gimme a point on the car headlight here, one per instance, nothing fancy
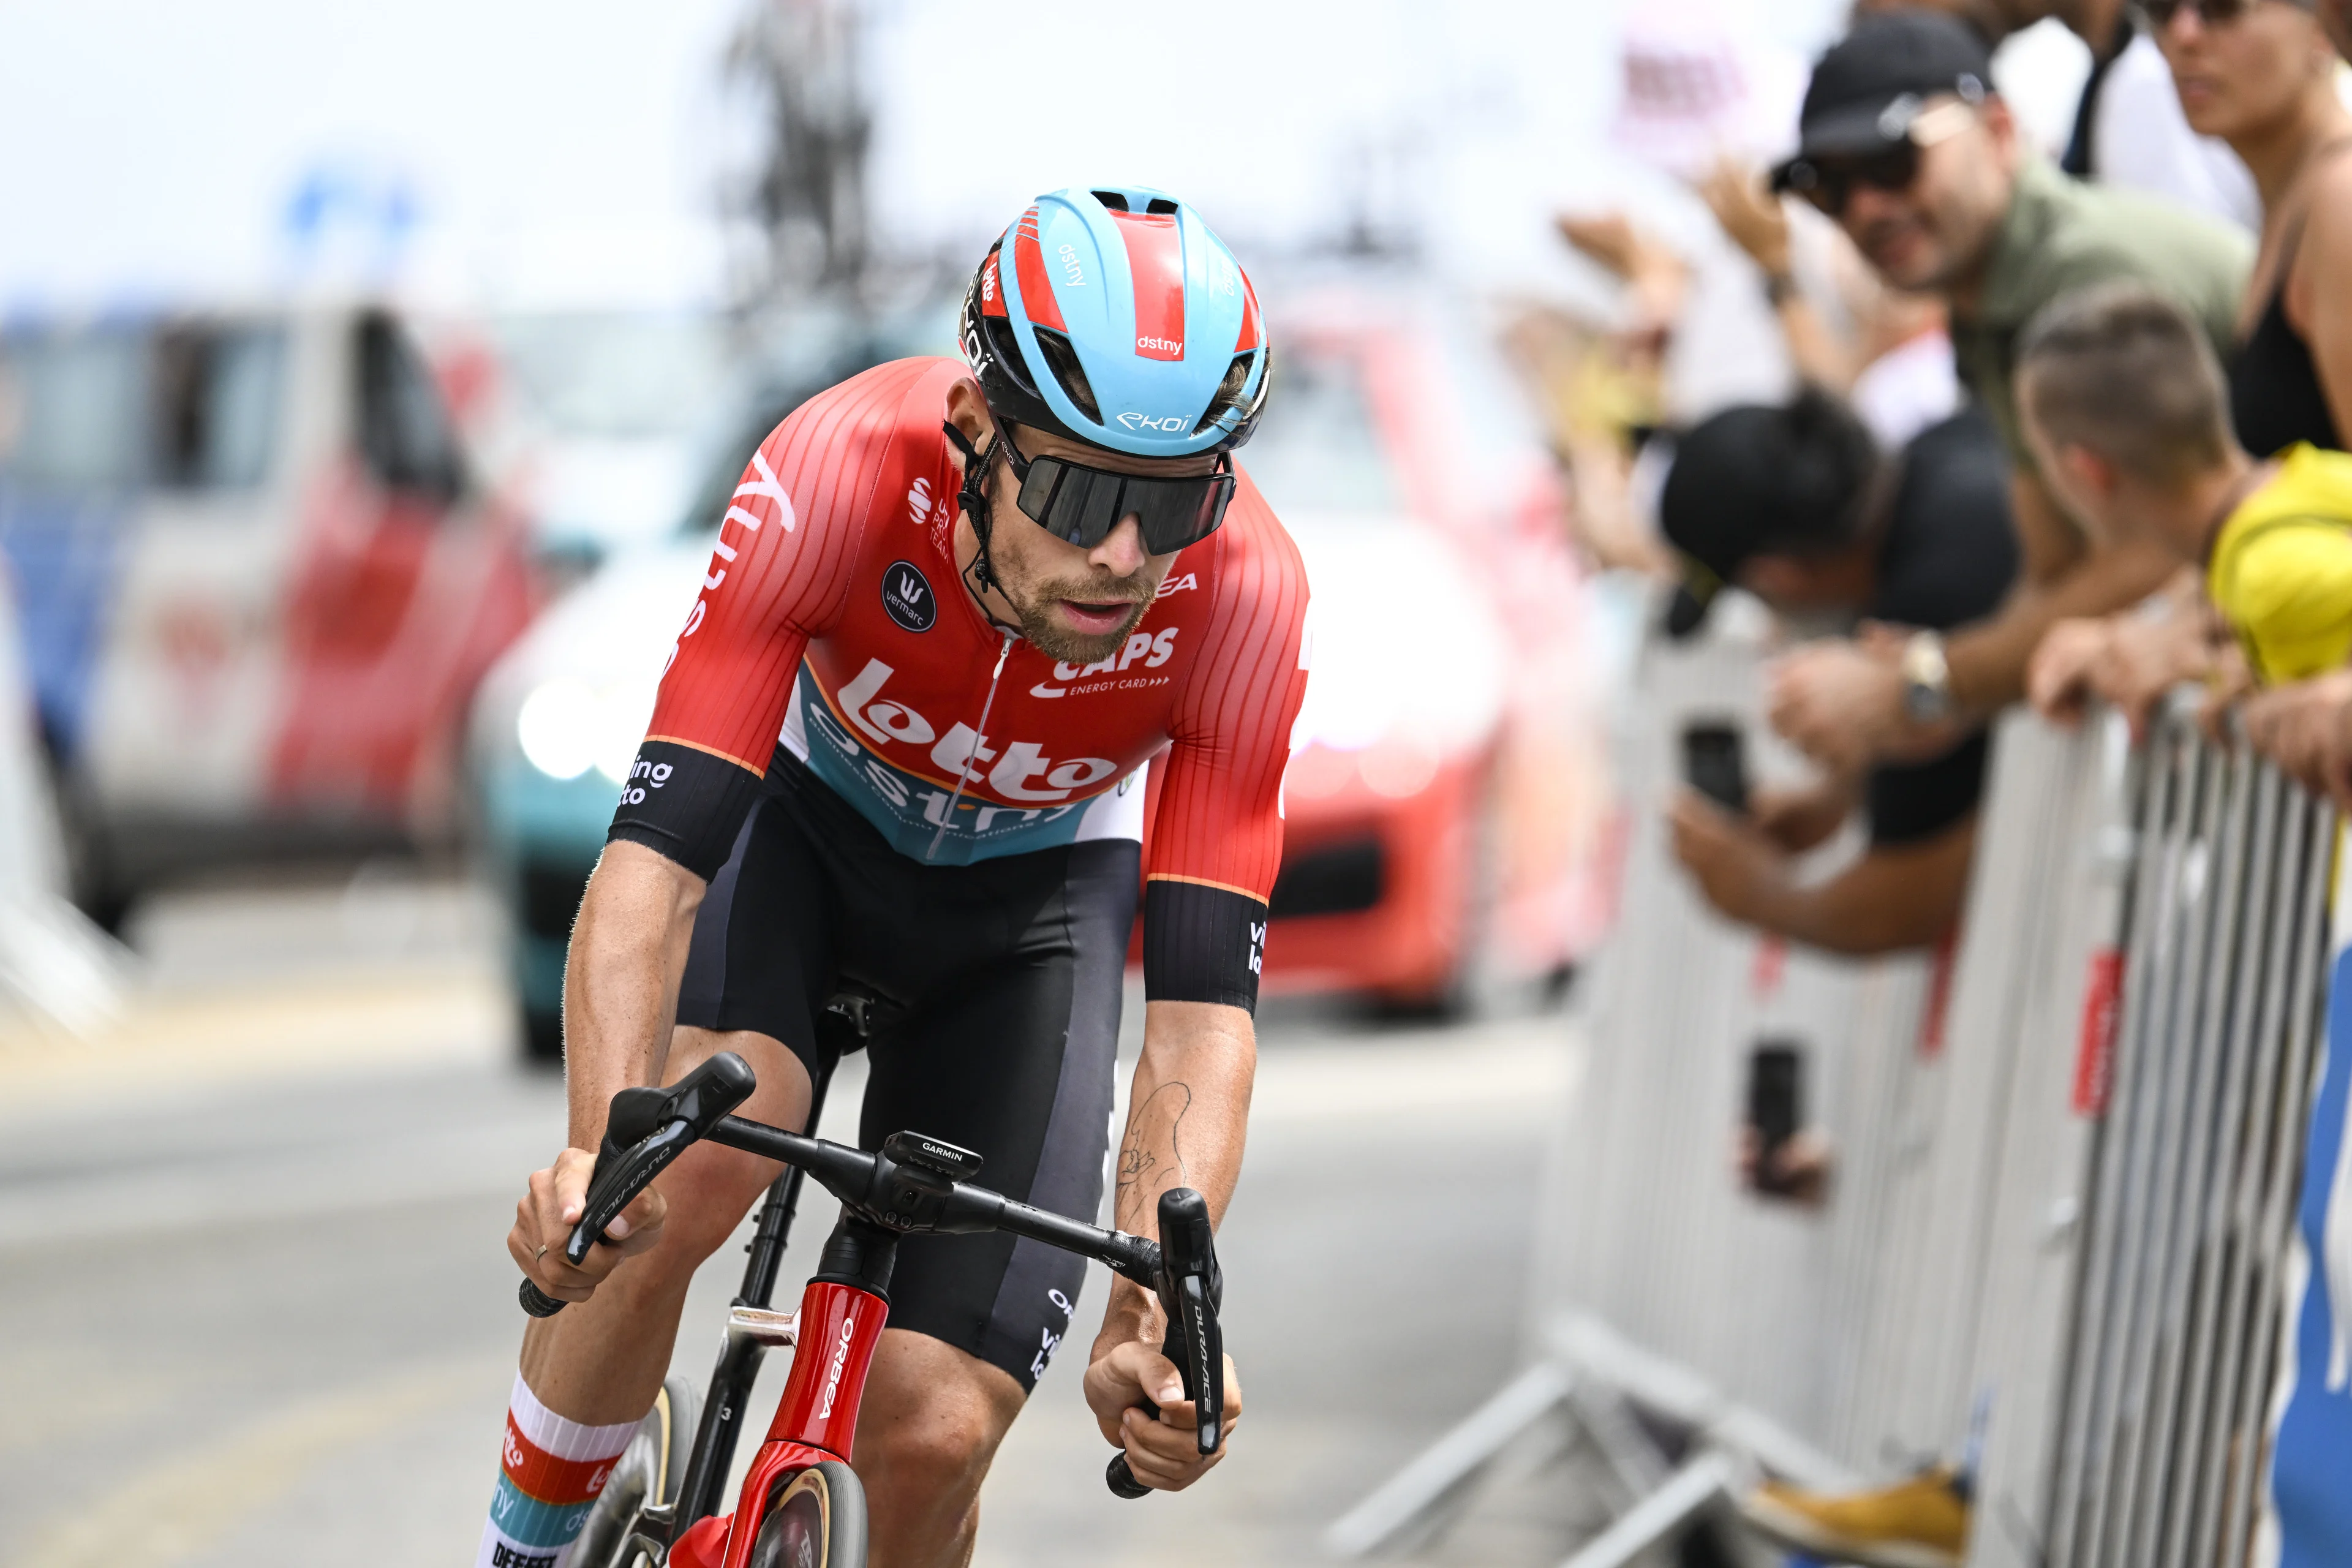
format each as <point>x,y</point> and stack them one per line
<point>565,726</point>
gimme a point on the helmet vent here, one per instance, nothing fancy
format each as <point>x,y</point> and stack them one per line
<point>1159,205</point>
<point>1006,348</point>
<point>1228,395</point>
<point>1115,202</point>
<point>1063,361</point>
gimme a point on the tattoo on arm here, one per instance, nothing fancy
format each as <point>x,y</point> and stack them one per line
<point>1150,1159</point>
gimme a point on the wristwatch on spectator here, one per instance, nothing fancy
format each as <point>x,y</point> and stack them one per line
<point>1927,679</point>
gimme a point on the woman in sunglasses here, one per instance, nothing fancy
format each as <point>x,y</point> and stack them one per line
<point>2261,75</point>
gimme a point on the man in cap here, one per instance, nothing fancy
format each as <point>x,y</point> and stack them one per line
<point>1905,144</point>
<point>1798,506</point>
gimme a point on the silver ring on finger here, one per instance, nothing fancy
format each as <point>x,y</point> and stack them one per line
<point>541,1253</point>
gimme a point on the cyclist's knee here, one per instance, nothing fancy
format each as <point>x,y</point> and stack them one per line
<point>932,1419</point>
<point>940,1454</point>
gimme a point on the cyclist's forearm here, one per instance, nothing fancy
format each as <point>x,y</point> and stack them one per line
<point>620,980</point>
<point>1186,1120</point>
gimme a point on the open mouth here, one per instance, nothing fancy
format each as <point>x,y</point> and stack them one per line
<point>1098,617</point>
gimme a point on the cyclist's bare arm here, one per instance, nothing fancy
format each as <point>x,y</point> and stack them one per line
<point>1187,1119</point>
<point>619,998</point>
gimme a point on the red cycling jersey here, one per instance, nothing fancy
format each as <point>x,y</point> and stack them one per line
<point>832,621</point>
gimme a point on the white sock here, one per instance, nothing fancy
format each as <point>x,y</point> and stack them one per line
<point>549,1474</point>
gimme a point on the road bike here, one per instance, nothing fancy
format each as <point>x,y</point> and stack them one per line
<point>800,1505</point>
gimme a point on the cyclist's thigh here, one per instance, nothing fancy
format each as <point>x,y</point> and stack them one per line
<point>761,955</point>
<point>710,1187</point>
<point>1011,1055</point>
<point>756,969</point>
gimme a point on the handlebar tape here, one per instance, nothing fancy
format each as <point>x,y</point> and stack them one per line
<point>538,1303</point>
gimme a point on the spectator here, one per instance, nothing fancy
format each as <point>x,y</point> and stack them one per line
<point>1796,505</point>
<point>2129,130</point>
<point>1899,373</point>
<point>2128,409</point>
<point>2261,75</point>
<point>1903,144</point>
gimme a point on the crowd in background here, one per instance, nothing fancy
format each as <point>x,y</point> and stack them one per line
<point>2063,425</point>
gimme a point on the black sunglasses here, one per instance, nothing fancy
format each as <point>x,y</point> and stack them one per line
<point>1082,505</point>
<point>2213,13</point>
<point>1829,182</point>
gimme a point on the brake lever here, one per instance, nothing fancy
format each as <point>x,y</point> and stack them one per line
<point>645,1130</point>
<point>1191,1289</point>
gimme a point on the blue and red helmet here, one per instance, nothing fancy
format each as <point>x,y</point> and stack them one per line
<point>1114,317</point>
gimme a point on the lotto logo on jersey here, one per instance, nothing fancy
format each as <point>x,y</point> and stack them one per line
<point>1021,769</point>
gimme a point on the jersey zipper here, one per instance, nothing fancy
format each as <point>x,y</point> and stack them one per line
<point>979,739</point>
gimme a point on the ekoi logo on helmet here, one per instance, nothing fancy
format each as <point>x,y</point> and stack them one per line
<point>1173,422</point>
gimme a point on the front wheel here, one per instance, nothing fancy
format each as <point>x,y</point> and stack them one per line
<point>818,1520</point>
<point>647,1475</point>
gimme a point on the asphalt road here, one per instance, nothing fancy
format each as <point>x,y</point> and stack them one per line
<point>258,1309</point>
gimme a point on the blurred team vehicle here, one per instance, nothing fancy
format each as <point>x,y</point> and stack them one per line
<point>1445,793</point>
<point>593,421</point>
<point>1446,799</point>
<point>258,584</point>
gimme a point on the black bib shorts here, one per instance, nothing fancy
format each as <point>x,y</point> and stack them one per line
<point>995,1027</point>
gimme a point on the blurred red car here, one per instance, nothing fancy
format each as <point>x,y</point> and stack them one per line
<point>1446,790</point>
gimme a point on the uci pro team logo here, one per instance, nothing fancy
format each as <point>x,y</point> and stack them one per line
<point>907,595</point>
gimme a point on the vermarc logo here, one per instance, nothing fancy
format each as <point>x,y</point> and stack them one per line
<point>906,597</point>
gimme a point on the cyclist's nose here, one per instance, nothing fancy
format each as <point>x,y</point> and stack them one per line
<point>1121,551</point>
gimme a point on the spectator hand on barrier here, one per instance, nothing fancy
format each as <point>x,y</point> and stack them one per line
<point>2129,660</point>
<point>2305,728</point>
<point>1841,703</point>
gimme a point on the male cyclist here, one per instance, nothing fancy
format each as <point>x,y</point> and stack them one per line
<point>952,613</point>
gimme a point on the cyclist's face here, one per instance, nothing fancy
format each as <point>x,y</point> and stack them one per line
<point>1076,604</point>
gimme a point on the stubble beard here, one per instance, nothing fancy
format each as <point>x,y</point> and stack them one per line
<point>1032,600</point>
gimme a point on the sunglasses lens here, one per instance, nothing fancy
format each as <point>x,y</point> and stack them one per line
<point>1174,513</point>
<point>1893,169</point>
<point>1081,506</point>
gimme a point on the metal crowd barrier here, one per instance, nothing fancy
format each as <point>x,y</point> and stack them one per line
<point>2066,1154</point>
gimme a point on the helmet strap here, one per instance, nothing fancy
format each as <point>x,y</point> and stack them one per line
<point>973,497</point>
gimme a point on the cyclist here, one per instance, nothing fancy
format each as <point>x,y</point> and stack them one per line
<point>900,749</point>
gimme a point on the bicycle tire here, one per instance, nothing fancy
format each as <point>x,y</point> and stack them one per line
<point>649,1472</point>
<point>818,1520</point>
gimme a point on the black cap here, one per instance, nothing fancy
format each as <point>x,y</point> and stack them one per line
<point>1782,478</point>
<point>1874,82</point>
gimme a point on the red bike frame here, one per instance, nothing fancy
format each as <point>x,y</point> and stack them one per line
<point>840,1326</point>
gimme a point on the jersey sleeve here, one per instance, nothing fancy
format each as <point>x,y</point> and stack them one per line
<point>778,574</point>
<point>2285,586</point>
<point>1216,835</point>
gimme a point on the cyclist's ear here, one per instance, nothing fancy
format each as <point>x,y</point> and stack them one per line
<point>969,414</point>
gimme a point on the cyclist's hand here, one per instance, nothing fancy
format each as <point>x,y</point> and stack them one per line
<point>544,1219</point>
<point>1165,1453</point>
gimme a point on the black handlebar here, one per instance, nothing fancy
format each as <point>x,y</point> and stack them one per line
<point>1191,1289</point>
<point>910,1186</point>
<point>916,1185</point>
